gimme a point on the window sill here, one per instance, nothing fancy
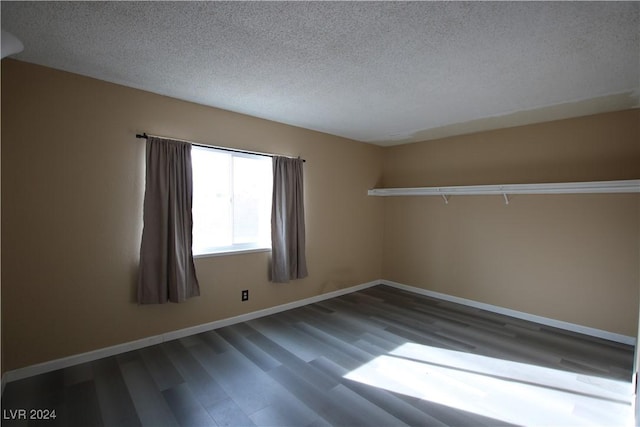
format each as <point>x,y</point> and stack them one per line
<point>226,252</point>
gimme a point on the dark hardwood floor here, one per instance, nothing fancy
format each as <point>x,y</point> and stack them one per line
<point>378,357</point>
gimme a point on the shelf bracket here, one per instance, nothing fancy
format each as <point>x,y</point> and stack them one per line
<point>506,198</point>
<point>446,199</point>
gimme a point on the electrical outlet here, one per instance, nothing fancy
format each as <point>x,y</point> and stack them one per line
<point>245,295</point>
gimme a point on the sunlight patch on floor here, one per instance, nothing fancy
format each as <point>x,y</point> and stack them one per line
<point>513,392</point>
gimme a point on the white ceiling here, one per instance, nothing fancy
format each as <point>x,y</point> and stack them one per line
<point>380,72</point>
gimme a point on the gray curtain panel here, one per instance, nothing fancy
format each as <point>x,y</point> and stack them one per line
<point>167,272</point>
<point>288,259</point>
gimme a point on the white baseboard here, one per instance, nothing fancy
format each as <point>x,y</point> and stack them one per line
<point>599,333</point>
<point>65,362</point>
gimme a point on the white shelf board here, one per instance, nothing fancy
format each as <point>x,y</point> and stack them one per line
<point>626,186</point>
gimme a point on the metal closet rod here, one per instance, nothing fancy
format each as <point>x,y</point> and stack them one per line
<point>144,135</point>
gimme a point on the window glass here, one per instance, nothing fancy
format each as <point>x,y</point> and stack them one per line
<point>231,201</point>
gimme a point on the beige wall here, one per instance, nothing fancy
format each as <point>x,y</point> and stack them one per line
<point>72,189</point>
<point>567,257</point>
<point>591,148</point>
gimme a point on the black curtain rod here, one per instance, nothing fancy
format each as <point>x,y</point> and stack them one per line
<point>233,150</point>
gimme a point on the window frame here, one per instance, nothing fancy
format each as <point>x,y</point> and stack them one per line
<point>239,248</point>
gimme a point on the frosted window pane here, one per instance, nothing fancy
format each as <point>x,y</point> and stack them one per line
<point>231,201</point>
<point>251,199</point>
<point>211,199</point>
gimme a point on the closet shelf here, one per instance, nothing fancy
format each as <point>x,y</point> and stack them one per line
<point>626,186</point>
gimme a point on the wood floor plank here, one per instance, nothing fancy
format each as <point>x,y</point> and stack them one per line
<point>244,382</point>
<point>332,324</point>
<point>78,374</point>
<point>322,402</point>
<point>284,412</point>
<point>116,406</point>
<point>261,359</point>
<point>364,411</point>
<point>260,397</point>
<point>162,371</point>
<point>227,413</point>
<point>385,400</point>
<point>206,389</point>
<point>449,417</point>
<point>213,340</point>
<point>83,405</point>
<point>151,407</point>
<point>303,346</point>
<point>186,408</point>
<point>293,363</point>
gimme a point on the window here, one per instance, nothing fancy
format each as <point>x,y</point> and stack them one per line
<point>231,201</point>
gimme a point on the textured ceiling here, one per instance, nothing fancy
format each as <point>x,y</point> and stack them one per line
<point>381,72</point>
